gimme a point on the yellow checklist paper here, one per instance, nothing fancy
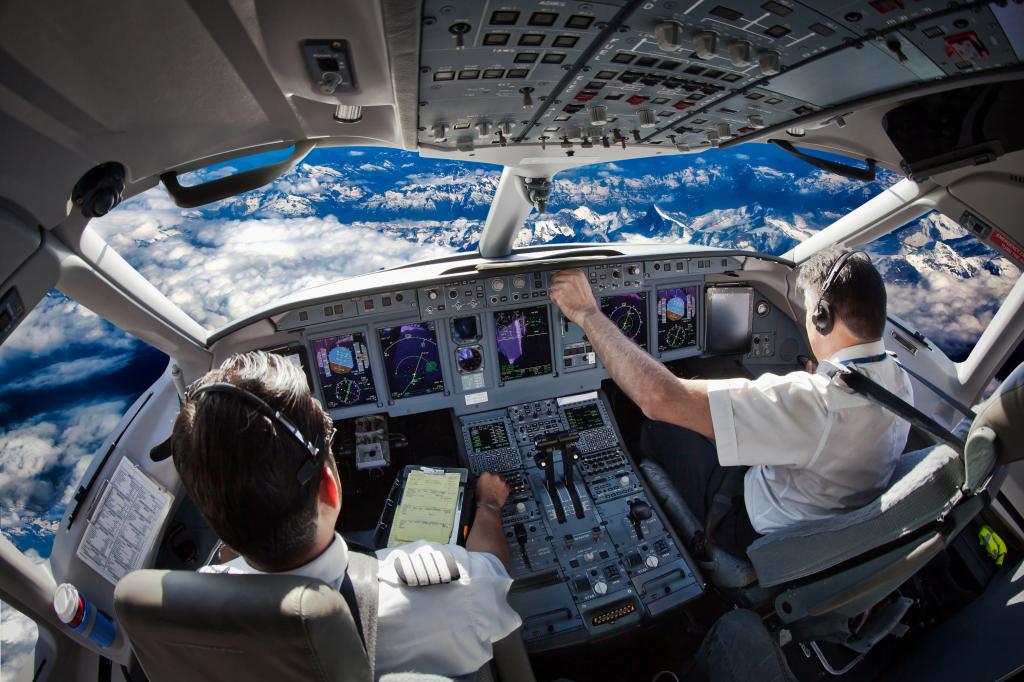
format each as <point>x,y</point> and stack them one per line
<point>427,510</point>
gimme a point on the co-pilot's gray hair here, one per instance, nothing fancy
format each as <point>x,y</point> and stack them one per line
<point>239,470</point>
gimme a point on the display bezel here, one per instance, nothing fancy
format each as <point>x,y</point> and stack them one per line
<point>688,351</point>
<point>502,379</point>
<point>713,291</point>
<point>645,296</point>
<point>696,317</point>
<point>371,360</point>
<point>433,390</point>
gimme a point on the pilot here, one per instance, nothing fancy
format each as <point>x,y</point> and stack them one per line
<point>754,456</point>
<point>240,469</point>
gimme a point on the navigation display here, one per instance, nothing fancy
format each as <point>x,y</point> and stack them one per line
<point>489,436</point>
<point>524,342</point>
<point>411,359</point>
<point>629,313</point>
<point>677,318</point>
<point>729,314</point>
<point>584,418</point>
<point>343,367</point>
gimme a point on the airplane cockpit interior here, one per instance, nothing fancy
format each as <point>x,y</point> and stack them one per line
<point>463,364</point>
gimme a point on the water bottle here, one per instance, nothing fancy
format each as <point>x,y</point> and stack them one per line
<point>82,616</point>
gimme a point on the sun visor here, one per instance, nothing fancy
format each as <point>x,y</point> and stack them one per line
<point>954,129</point>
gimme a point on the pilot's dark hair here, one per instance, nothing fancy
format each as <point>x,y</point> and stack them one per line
<point>856,296</point>
<point>240,468</point>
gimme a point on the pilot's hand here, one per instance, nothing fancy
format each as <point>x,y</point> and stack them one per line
<point>810,365</point>
<point>491,488</point>
<point>571,292</point>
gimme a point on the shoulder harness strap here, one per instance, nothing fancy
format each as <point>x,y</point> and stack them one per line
<point>360,590</point>
<point>426,567</point>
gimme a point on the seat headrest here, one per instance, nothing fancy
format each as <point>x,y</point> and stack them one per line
<point>1003,412</point>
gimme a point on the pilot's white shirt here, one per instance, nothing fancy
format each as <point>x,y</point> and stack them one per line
<point>440,629</point>
<point>814,449</point>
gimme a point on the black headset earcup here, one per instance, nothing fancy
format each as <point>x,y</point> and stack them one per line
<point>822,317</point>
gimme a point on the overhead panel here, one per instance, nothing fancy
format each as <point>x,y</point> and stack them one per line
<point>685,74</point>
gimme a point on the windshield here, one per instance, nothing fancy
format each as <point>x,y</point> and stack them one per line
<point>344,212</point>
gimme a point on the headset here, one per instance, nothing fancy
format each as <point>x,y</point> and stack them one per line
<point>312,464</point>
<point>822,316</point>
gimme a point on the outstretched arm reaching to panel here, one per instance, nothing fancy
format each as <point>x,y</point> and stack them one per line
<point>660,394</point>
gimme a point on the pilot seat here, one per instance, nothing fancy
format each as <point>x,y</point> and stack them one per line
<point>818,575</point>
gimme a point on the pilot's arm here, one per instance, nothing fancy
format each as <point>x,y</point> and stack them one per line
<point>660,394</point>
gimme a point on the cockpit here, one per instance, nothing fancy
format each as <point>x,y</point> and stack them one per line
<point>462,363</point>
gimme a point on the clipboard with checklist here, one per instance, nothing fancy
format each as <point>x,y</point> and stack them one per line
<point>428,506</point>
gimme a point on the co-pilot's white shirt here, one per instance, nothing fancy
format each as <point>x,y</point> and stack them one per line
<point>441,629</point>
<point>814,449</point>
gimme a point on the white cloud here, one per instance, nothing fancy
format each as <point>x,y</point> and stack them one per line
<point>18,635</point>
<point>63,373</point>
<point>42,459</point>
<point>355,152</point>
<point>220,270</point>
<point>58,322</point>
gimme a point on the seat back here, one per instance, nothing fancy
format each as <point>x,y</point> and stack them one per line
<point>925,488</point>
<point>217,627</point>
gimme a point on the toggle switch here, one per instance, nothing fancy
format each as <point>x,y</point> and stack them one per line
<point>739,53</point>
<point>705,44</point>
<point>669,35</point>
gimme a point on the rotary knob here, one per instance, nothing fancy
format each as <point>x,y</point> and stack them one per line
<point>432,294</point>
<point>600,587</point>
<point>646,118</point>
<point>483,128</point>
<point>624,482</point>
<point>518,282</point>
<point>589,556</point>
<point>756,121</point>
<point>520,508</point>
<point>497,284</point>
<point>439,132</point>
<point>598,115</point>
<point>651,561</point>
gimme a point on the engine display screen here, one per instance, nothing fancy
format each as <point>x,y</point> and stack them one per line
<point>629,313</point>
<point>489,436</point>
<point>523,338</point>
<point>729,315</point>
<point>343,367</point>
<point>677,318</point>
<point>584,418</point>
<point>411,359</point>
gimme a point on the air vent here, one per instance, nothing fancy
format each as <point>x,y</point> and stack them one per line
<point>1019,179</point>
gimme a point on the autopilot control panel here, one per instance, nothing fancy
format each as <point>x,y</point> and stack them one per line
<point>590,552</point>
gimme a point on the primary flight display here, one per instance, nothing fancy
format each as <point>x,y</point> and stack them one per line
<point>343,366</point>
<point>677,318</point>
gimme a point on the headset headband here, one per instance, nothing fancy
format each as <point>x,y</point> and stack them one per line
<point>835,270</point>
<point>308,468</point>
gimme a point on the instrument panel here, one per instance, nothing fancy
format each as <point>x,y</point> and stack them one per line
<point>477,344</point>
<point>590,554</point>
